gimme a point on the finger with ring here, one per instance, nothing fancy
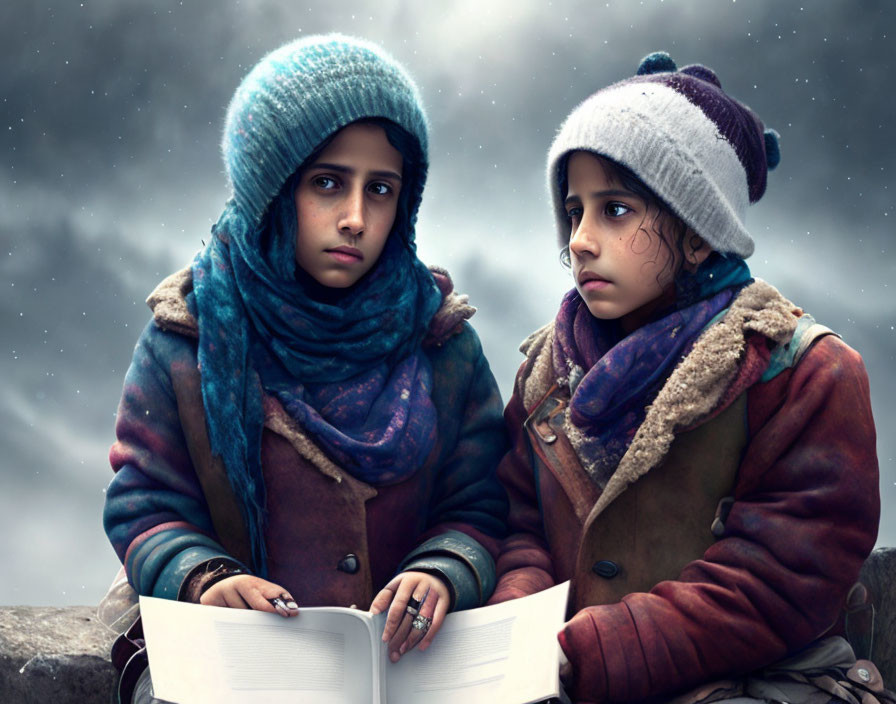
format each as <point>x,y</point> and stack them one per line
<point>421,623</point>
<point>413,607</point>
<point>426,624</point>
<point>403,627</point>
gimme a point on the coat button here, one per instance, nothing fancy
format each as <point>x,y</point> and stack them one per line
<point>349,564</point>
<point>605,569</point>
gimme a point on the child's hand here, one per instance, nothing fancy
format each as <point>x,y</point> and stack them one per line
<point>244,591</point>
<point>400,631</point>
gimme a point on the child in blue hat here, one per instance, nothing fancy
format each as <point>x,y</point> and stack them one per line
<point>308,418</point>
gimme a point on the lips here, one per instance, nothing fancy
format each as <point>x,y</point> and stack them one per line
<point>346,254</point>
<point>589,276</point>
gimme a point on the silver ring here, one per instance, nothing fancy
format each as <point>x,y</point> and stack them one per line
<point>421,623</point>
<point>411,610</point>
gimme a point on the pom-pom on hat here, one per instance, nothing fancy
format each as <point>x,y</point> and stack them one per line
<point>300,94</point>
<point>705,154</point>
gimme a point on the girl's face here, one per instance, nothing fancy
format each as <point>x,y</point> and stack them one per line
<point>619,267</point>
<point>345,204</point>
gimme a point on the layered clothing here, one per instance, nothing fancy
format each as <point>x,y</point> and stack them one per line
<point>728,532</point>
<point>346,364</point>
<point>330,533</point>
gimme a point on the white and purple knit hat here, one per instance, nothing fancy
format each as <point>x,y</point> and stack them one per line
<point>705,154</point>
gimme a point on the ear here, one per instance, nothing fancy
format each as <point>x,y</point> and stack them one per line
<point>696,250</point>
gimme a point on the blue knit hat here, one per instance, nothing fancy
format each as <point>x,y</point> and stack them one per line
<point>705,154</point>
<point>300,94</point>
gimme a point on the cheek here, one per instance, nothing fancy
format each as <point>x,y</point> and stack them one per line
<point>641,243</point>
<point>309,218</point>
<point>658,264</point>
<point>381,223</point>
<point>657,272</point>
<point>387,215</point>
<point>670,263</point>
<point>306,211</point>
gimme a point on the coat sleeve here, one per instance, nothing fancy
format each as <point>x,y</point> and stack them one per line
<point>805,517</point>
<point>155,513</point>
<point>524,565</point>
<point>467,513</point>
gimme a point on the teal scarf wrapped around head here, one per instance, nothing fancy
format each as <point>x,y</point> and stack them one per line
<point>257,324</point>
<point>345,364</point>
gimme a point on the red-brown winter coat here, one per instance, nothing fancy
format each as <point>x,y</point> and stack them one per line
<point>673,587</point>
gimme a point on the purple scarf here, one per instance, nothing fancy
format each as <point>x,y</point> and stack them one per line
<point>379,425</point>
<point>613,378</point>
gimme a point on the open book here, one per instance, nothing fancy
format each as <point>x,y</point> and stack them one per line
<point>504,653</point>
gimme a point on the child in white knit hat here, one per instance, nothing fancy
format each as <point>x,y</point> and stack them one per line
<point>690,448</point>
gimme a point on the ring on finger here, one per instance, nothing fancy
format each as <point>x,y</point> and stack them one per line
<point>421,623</point>
<point>414,602</point>
<point>413,607</point>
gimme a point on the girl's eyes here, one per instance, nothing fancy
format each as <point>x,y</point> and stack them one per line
<point>574,213</point>
<point>616,210</point>
<point>380,189</point>
<point>613,209</point>
<point>328,183</point>
<point>325,183</point>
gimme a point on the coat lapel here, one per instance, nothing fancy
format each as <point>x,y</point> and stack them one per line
<point>170,312</point>
<point>696,387</point>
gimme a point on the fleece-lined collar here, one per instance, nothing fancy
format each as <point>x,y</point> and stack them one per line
<point>693,391</point>
<point>170,312</point>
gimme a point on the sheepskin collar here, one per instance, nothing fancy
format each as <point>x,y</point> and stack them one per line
<point>169,304</point>
<point>694,391</point>
<point>171,313</point>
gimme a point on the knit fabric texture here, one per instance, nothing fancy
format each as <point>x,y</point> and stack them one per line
<point>346,364</point>
<point>705,154</point>
<point>300,94</point>
<point>613,378</point>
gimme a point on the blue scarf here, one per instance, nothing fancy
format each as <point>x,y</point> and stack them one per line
<point>613,378</point>
<point>346,365</point>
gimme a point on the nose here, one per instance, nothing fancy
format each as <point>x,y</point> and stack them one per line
<point>583,241</point>
<point>351,217</point>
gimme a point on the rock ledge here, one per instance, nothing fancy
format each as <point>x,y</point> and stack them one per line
<point>58,655</point>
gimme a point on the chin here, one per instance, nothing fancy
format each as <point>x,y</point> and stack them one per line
<point>604,315</point>
<point>609,312</point>
<point>602,310</point>
<point>336,279</point>
<point>338,284</point>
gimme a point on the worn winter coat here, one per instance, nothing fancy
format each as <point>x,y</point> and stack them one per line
<point>331,539</point>
<point>733,527</point>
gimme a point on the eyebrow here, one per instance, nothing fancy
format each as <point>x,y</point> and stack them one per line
<point>600,194</point>
<point>339,168</point>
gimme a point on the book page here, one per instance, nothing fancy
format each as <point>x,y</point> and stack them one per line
<point>200,654</point>
<point>505,653</point>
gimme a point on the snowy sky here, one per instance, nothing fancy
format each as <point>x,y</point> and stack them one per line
<point>110,175</point>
